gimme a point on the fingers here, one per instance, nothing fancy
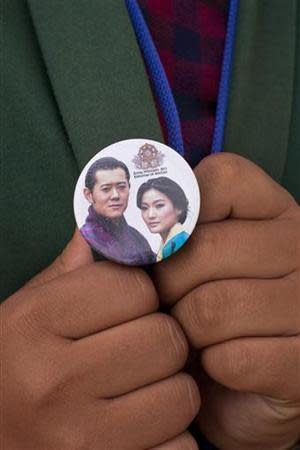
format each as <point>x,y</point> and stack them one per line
<point>157,412</point>
<point>132,355</point>
<point>76,254</point>
<point>231,249</point>
<point>226,309</point>
<point>237,420</point>
<point>91,299</point>
<point>257,365</point>
<point>184,441</point>
<point>232,186</point>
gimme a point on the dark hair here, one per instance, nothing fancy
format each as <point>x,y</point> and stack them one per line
<point>171,189</point>
<point>106,163</point>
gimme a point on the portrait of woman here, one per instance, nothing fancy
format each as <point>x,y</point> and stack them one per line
<point>164,209</point>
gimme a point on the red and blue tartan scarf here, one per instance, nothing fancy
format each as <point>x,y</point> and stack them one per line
<point>189,36</point>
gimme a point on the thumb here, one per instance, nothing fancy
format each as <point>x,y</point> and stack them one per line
<point>76,254</point>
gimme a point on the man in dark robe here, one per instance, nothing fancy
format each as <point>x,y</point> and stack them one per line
<point>107,190</point>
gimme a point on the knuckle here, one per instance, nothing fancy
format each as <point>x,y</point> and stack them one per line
<point>32,366</point>
<point>191,445</point>
<point>230,362</point>
<point>183,442</point>
<point>96,271</point>
<point>47,384</point>
<point>79,433</point>
<point>200,313</point>
<point>187,313</point>
<point>188,443</point>
<point>34,380</point>
<point>238,360</point>
<point>64,437</point>
<point>292,210</point>
<point>208,300</point>
<point>297,243</point>
<point>207,243</point>
<point>297,361</point>
<point>187,393</point>
<point>146,290</point>
<point>292,228</point>
<point>172,337</point>
<point>26,319</point>
<point>60,265</point>
<point>131,282</point>
<point>294,280</point>
<point>297,289</point>
<point>222,166</point>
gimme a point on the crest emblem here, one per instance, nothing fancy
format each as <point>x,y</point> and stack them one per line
<point>148,157</point>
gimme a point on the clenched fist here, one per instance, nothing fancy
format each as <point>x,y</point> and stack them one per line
<point>235,288</point>
<point>89,364</point>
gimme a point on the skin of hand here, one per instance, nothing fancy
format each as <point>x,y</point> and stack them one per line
<point>235,290</point>
<point>88,363</point>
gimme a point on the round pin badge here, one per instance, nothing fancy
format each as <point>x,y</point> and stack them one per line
<point>136,202</point>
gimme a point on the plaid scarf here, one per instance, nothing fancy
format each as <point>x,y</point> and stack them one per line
<point>189,36</point>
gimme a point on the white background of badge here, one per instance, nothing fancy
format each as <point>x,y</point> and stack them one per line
<point>178,170</point>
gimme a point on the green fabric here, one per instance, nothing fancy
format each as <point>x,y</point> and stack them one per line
<point>36,160</point>
<point>260,105</point>
<point>71,84</point>
<point>73,81</point>
<point>291,176</point>
<point>96,72</point>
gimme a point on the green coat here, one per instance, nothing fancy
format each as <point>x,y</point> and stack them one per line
<point>73,81</point>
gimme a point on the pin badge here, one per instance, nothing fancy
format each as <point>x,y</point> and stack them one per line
<point>136,202</point>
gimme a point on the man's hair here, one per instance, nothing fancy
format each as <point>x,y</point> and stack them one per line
<point>171,189</point>
<point>107,163</point>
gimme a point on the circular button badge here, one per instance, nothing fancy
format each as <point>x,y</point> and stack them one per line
<point>136,202</point>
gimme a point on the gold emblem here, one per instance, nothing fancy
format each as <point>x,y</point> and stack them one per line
<point>148,157</point>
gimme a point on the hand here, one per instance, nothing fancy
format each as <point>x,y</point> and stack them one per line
<point>236,286</point>
<point>88,364</point>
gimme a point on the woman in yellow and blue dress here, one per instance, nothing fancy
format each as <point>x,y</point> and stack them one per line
<point>164,208</point>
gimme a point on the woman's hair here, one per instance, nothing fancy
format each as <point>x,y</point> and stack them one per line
<point>171,189</point>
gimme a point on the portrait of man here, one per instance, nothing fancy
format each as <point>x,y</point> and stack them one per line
<point>107,189</point>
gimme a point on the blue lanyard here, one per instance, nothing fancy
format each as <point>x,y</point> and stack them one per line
<point>161,85</point>
<point>223,94</point>
<point>159,80</point>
